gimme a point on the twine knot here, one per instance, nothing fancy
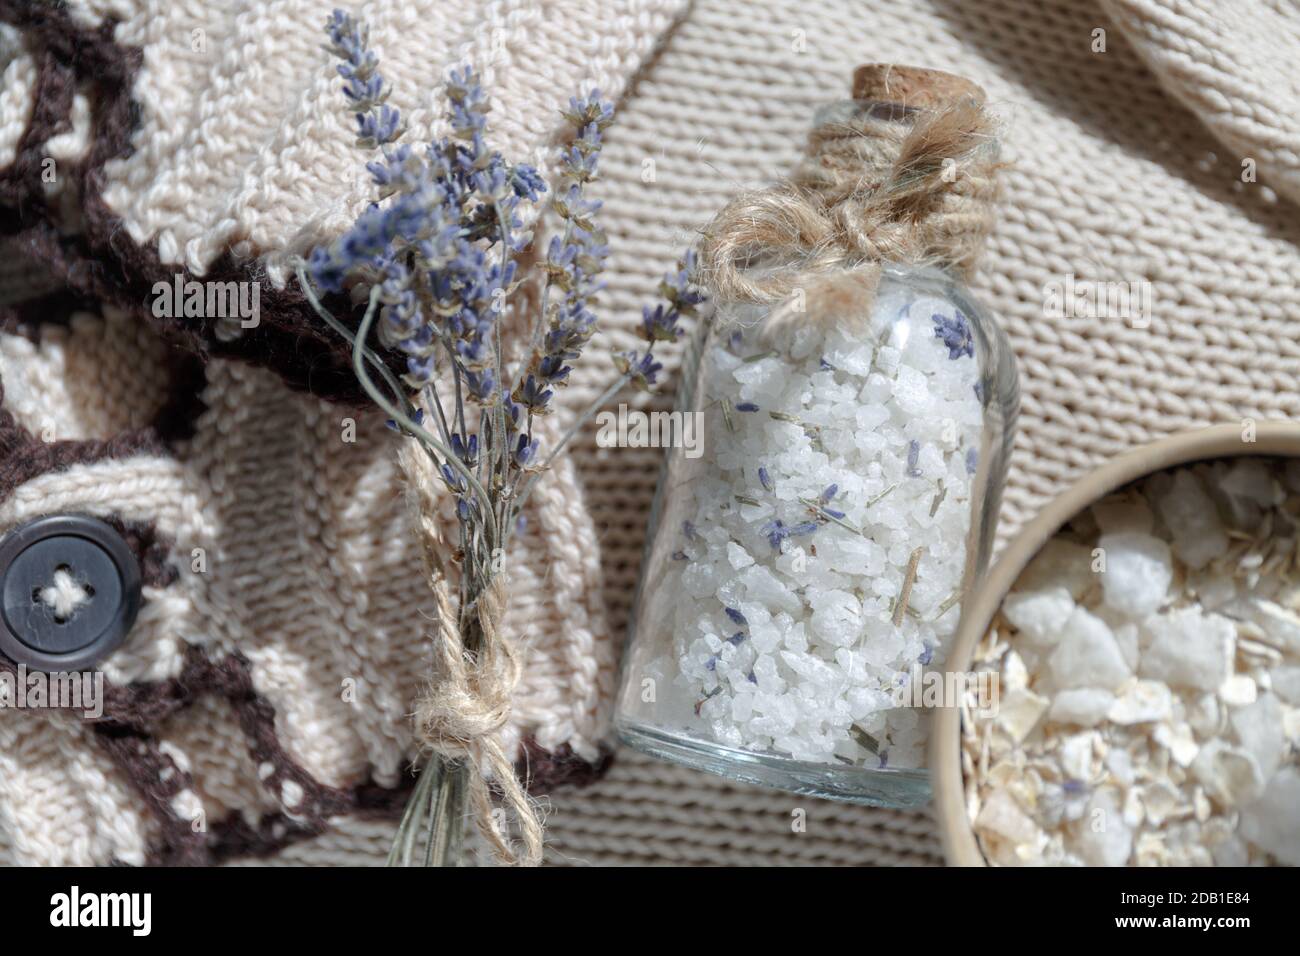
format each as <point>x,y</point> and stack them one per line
<point>906,173</point>
<point>469,694</point>
<point>468,698</point>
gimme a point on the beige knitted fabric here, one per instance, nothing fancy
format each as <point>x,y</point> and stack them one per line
<point>1115,179</point>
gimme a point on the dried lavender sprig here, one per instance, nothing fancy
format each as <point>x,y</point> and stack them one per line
<point>662,324</point>
<point>377,123</point>
<point>573,264</point>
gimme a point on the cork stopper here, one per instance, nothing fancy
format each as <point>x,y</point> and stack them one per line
<point>912,87</point>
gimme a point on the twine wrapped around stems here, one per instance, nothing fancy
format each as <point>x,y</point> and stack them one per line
<point>908,175</point>
<point>468,699</point>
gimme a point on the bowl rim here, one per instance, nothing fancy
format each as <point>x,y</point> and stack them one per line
<point>1277,439</point>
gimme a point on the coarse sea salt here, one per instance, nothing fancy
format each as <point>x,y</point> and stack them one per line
<point>1158,640</point>
<point>820,546</point>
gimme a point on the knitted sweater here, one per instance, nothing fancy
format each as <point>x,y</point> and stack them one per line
<point>225,157</point>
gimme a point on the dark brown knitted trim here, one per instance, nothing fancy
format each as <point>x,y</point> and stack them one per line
<point>51,115</point>
<point>549,770</point>
<point>28,317</point>
<point>127,729</point>
<point>23,456</point>
<point>157,780</point>
<point>105,262</point>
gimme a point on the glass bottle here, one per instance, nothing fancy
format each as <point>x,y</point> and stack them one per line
<point>807,561</point>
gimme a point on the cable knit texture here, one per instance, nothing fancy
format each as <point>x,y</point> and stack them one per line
<point>1126,167</point>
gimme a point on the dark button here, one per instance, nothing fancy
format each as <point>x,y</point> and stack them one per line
<point>71,591</point>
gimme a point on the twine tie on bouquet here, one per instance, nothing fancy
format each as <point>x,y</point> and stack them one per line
<point>467,702</point>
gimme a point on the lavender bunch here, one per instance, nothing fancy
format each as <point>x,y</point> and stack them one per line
<point>436,251</point>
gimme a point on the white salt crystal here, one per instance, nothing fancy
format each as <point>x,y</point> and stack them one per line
<point>1001,815</point>
<point>912,392</point>
<point>1179,741</point>
<point>1249,480</point>
<point>1229,774</point>
<point>1203,714</point>
<point>1101,838</point>
<point>1270,821</point>
<point>1258,727</point>
<point>837,616</point>
<point>1281,625</point>
<point>1015,676</point>
<point>1126,636</point>
<point>888,359</point>
<point>1060,563</point>
<point>765,637</point>
<point>1019,712</point>
<point>1076,754</point>
<point>1238,690</point>
<point>870,417</point>
<point>1084,706</point>
<point>1188,648</point>
<point>1193,520</point>
<point>1120,513</point>
<point>1286,682</point>
<point>1230,852</point>
<point>1120,764</point>
<point>738,556</point>
<point>700,578</point>
<point>1087,655</point>
<point>1141,702</point>
<point>854,359</point>
<point>1138,571</point>
<point>1039,615</point>
<point>764,587</point>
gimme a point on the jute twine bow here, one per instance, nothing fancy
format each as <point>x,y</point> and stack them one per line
<point>908,176</point>
<point>468,699</point>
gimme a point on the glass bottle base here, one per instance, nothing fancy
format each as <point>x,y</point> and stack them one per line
<point>898,789</point>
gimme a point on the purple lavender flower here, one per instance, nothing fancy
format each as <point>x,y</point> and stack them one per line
<point>764,478</point>
<point>417,417</point>
<point>955,332</point>
<point>736,616</point>
<point>972,460</point>
<point>736,639</point>
<point>664,324</point>
<point>641,370</point>
<point>913,457</point>
<point>465,503</point>
<point>363,85</point>
<point>775,532</point>
<point>525,451</point>
<point>573,263</point>
<point>746,407</point>
<point>466,451</point>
